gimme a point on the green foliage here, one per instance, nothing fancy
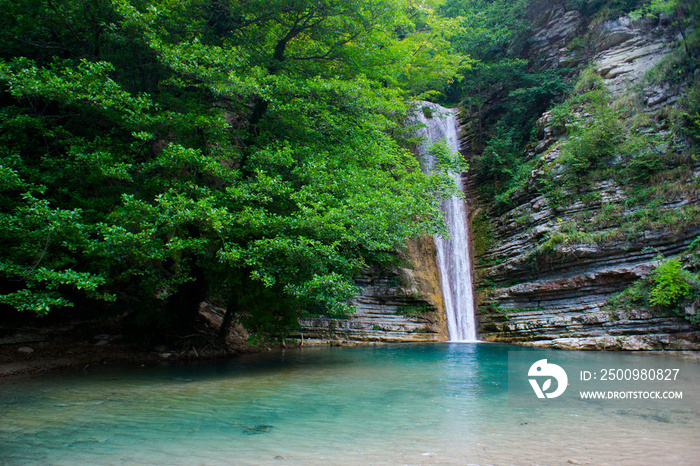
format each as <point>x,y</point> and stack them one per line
<point>667,290</point>
<point>577,43</point>
<point>447,161</point>
<point>155,153</point>
<point>502,93</point>
<point>654,8</point>
<point>505,94</point>
<point>601,10</point>
<point>637,294</point>
<point>594,139</point>
<point>671,284</point>
<point>482,232</point>
<point>434,64</point>
<point>691,113</point>
<point>417,309</point>
<point>650,160</point>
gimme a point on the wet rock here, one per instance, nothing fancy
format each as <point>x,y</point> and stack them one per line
<point>102,343</point>
<point>25,349</point>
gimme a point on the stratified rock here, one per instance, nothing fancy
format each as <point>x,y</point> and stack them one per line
<point>386,307</point>
<point>609,34</point>
<point>671,342</point>
<point>378,317</point>
<point>626,49</point>
<point>553,28</point>
<point>553,293</point>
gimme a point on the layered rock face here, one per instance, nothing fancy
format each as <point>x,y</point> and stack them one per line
<point>401,305</point>
<point>622,49</point>
<point>550,294</point>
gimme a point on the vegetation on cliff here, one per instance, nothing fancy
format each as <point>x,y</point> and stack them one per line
<point>670,289</point>
<point>607,175</point>
<point>510,87</point>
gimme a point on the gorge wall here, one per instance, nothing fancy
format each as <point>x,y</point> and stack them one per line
<point>399,305</point>
<point>546,269</point>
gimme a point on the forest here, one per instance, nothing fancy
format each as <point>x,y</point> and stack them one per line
<point>255,154</point>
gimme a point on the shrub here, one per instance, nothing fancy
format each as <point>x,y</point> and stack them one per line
<point>672,284</point>
<point>414,309</point>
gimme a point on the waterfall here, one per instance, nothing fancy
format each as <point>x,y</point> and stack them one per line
<point>453,254</point>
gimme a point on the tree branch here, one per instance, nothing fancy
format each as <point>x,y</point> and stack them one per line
<point>69,27</point>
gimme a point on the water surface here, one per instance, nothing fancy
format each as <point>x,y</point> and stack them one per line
<point>399,404</point>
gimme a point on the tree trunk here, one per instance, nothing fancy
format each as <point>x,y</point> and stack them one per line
<point>226,324</point>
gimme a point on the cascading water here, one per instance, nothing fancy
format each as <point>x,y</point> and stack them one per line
<point>453,255</point>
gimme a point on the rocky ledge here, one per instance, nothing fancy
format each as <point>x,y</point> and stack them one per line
<point>398,305</point>
<point>386,312</point>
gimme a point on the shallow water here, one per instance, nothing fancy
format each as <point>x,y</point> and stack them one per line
<point>400,404</point>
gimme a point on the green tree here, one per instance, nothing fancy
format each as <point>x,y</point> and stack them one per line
<point>156,153</point>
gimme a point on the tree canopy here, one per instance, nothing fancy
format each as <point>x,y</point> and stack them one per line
<point>156,153</point>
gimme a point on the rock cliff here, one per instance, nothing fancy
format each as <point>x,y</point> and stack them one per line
<point>543,282</point>
<point>400,305</point>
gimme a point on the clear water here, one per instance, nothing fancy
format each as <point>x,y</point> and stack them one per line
<point>453,253</point>
<point>440,403</point>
